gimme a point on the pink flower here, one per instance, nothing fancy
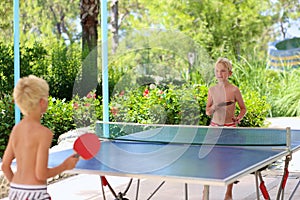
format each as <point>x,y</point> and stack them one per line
<point>91,95</point>
<point>75,105</point>
<point>146,92</point>
<point>87,104</point>
<point>114,111</point>
<point>122,93</point>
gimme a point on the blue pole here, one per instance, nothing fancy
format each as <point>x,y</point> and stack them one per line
<point>104,67</point>
<point>16,54</point>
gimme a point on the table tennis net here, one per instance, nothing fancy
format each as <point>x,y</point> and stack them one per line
<point>195,135</point>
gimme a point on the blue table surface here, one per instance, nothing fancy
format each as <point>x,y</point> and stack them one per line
<point>207,164</point>
<point>176,161</point>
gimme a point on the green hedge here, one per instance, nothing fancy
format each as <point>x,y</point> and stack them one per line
<point>178,105</point>
<point>7,118</point>
<point>170,105</point>
<point>58,65</point>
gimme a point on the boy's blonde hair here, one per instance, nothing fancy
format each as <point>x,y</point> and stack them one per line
<point>225,62</point>
<point>29,91</point>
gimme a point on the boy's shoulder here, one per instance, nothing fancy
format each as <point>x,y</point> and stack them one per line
<point>212,87</point>
<point>44,129</point>
<point>216,88</point>
<point>34,127</point>
<point>234,87</point>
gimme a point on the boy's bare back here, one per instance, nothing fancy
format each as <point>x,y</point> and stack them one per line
<point>30,141</point>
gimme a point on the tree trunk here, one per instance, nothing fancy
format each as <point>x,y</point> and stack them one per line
<point>89,12</point>
<point>114,24</point>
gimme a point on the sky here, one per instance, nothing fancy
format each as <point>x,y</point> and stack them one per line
<point>293,31</point>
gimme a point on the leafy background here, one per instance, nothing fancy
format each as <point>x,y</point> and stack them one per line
<point>51,47</point>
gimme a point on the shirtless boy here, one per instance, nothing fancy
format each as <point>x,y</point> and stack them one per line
<point>29,144</point>
<point>221,102</point>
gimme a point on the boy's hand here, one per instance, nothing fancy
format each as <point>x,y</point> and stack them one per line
<point>214,107</point>
<point>236,120</point>
<point>71,162</point>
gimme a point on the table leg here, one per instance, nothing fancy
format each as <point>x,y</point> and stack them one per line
<point>295,189</point>
<point>137,189</point>
<point>102,187</point>
<point>206,192</point>
<point>156,190</point>
<point>256,184</point>
<point>285,175</point>
<point>186,191</point>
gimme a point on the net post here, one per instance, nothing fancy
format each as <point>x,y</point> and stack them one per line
<point>288,138</point>
<point>105,91</point>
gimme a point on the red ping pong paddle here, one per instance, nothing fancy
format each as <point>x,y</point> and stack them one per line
<point>87,146</point>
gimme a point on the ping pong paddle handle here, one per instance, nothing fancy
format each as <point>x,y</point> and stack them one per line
<point>76,155</point>
<point>226,103</point>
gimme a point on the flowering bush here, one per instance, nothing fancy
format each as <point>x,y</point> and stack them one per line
<point>178,105</point>
<point>86,110</point>
<point>152,104</point>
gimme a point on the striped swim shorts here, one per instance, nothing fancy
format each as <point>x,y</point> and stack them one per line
<point>28,192</point>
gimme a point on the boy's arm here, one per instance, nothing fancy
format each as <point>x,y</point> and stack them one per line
<point>241,104</point>
<point>8,157</point>
<point>68,164</point>
<point>42,170</point>
<point>210,109</point>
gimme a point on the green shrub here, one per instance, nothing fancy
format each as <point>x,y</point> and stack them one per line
<point>7,119</point>
<point>193,105</point>
<point>59,117</point>
<point>257,110</point>
<point>287,99</point>
<point>152,104</point>
<point>178,105</point>
<point>280,87</point>
<point>64,64</point>
<point>59,69</point>
<point>6,69</point>
<point>32,61</point>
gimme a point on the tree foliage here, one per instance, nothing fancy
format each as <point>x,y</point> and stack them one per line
<point>41,20</point>
<point>6,22</point>
<point>286,12</point>
<point>222,27</point>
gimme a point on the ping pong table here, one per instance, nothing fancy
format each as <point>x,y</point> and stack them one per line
<point>211,156</point>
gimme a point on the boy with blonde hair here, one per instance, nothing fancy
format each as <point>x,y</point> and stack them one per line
<point>221,102</point>
<point>29,144</point>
